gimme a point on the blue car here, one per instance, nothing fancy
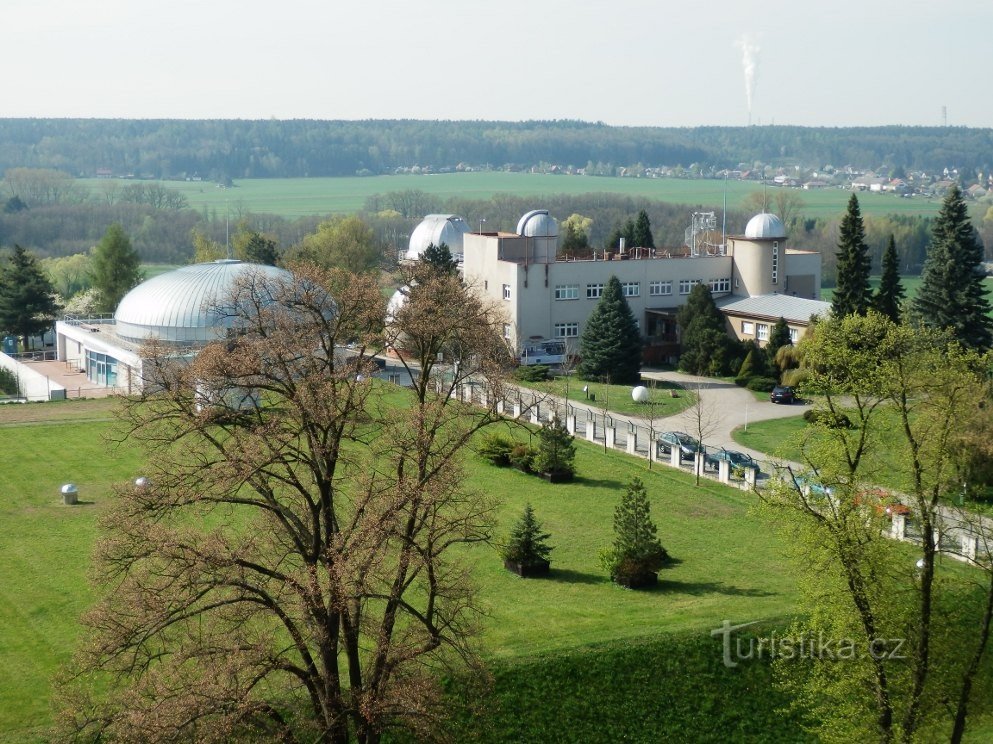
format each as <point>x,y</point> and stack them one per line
<point>737,459</point>
<point>687,444</point>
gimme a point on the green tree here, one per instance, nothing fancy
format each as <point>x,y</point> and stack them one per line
<point>205,248</point>
<point>642,237</point>
<point>115,268</point>
<point>706,347</point>
<point>27,305</point>
<point>852,294</point>
<point>556,453</point>
<point>611,343</point>
<point>439,258</point>
<point>952,293</point>
<point>636,551</point>
<point>342,242</point>
<point>527,543</point>
<point>575,240</point>
<point>68,274</point>
<point>889,297</point>
<point>754,365</point>
<point>779,336</point>
<point>254,247</point>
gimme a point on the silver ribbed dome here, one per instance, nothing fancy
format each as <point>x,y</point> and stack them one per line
<point>181,306</point>
<point>765,226</point>
<point>538,224</point>
<point>437,229</point>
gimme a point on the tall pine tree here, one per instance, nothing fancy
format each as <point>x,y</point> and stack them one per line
<point>643,232</point>
<point>27,305</point>
<point>852,294</point>
<point>889,297</point>
<point>116,268</point>
<point>611,343</point>
<point>952,292</point>
<point>705,347</point>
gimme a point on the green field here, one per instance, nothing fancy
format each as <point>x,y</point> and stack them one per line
<point>729,563</point>
<point>296,197</point>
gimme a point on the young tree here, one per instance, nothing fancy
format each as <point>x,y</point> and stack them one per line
<point>556,453</point>
<point>706,347</point>
<point>611,342</point>
<point>952,292</point>
<point>27,303</point>
<point>527,544</point>
<point>636,554</point>
<point>439,258</point>
<point>702,419</point>
<point>254,247</point>
<point>115,267</point>
<point>342,242</point>
<point>291,570</point>
<point>205,249</point>
<point>642,232</point>
<point>574,240</point>
<point>779,336</point>
<point>852,294</point>
<point>889,297</point>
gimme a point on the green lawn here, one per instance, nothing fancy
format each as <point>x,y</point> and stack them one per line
<point>729,563</point>
<point>668,398</point>
<point>295,197</point>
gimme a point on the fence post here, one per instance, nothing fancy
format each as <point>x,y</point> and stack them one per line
<point>590,429</point>
<point>898,527</point>
<point>724,471</point>
<point>610,435</point>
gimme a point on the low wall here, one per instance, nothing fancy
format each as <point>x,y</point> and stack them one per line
<point>34,385</point>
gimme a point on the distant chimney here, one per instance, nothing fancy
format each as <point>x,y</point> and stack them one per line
<point>622,251</point>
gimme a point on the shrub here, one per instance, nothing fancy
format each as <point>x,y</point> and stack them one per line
<point>556,453</point>
<point>761,384</point>
<point>827,418</point>
<point>521,457</point>
<point>496,448</point>
<point>532,373</point>
<point>527,544</point>
<point>8,382</point>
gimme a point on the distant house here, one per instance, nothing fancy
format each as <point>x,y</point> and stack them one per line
<point>105,173</point>
<point>811,185</point>
<point>975,191</point>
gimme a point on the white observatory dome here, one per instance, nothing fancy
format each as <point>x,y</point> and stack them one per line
<point>765,226</point>
<point>538,224</point>
<point>437,229</point>
<point>181,306</point>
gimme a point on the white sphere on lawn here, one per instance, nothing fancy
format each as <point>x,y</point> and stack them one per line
<point>640,394</point>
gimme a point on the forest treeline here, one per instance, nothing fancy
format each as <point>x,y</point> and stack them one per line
<point>226,149</point>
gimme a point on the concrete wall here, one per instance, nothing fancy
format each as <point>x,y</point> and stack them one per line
<point>33,385</point>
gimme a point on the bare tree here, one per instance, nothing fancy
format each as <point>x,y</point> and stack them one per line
<point>702,419</point>
<point>287,571</point>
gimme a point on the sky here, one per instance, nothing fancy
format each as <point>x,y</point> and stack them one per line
<point>627,62</point>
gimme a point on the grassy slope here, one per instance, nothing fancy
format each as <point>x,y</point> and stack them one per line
<point>295,197</point>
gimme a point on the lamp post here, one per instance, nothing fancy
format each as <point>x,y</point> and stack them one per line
<point>482,221</point>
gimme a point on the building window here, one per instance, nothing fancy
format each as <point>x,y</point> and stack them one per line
<point>506,291</point>
<point>658,289</point>
<point>631,289</point>
<point>794,335</point>
<point>747,328</point>
<point>567,292</point>
<point>719,285</point>
<point>775,262</point>
<point>566,330</point>
<point>593,291</point>
<point>686,285</point>
<point>506,330</point>
<point>763,332</point>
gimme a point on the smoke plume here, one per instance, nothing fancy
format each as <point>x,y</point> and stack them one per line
<point>749,65</point>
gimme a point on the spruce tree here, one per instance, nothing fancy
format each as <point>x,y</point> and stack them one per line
<point>952,292</point>
<point>527,544</point>
<point>706,348</point>
<point>611,343</point>
<point>889,297</point>
<point>439,257</point>
<point>556,454</point>
<point>116,268</point>
<point>27,304</point>
<point>643,232</point>
<point>636,549</point>
<point>852,294</point>
<point>779,336</point>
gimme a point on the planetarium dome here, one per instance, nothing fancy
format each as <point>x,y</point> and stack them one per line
<point>180,306</point>
<point>437,229</point>
<point>538,224</point>
<point>765,226</point>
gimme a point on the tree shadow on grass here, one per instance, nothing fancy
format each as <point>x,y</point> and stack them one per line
<point>699,588</point>
<point>569,576</point>
<point>581,480</point>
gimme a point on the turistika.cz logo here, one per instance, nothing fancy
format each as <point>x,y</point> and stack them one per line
<point>816,646</point>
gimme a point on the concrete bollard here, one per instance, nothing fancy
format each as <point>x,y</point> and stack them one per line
<point>610,435</point>
<point>501,406</point>
<point>898,527</point>
<point>970,546</point>
<point>750,476</point>
<point>724,471</point>
<point>536,413</point>
<point>699,460</point>
<point>517,409</point>
<point>632,443</point>
<point>570,423</point>
<point>590,430</point>
<point>675,456</point>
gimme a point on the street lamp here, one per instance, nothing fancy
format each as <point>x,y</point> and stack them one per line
<point>482,220</point>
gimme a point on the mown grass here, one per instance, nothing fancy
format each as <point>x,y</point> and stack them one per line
<point>296,197</point>
<point>668,398</point>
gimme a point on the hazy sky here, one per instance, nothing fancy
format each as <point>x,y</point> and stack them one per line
<point>634,62</point>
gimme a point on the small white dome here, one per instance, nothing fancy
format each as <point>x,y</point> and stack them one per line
<point>538,224</point>
<point>180,306</point>
<point>765,226</point>
<point>437,229</point>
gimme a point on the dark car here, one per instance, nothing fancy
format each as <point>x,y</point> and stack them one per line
<point>782,394</point>
<point>737,459</point>
<point>687,444</point>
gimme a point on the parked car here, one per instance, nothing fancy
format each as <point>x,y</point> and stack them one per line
<point>782,394</point>
<point>687,444</point>
<point>737,459</point>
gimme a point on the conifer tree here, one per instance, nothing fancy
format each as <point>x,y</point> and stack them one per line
<point>643,232</point>
<point>706,347</point>
<point>611,343</point>
<point>779,336</point>
<point>852,294</point>
<point>439,257</point>
<point>556,453</point>
<point>116,268</point>
<point>889,297</point>
<point>636,550</point>
<point>527,543</point>
<point>952,292</point>
<point>27,305</point>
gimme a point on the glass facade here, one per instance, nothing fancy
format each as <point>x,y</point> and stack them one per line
<point>101,369</point>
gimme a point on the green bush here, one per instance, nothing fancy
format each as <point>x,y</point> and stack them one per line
<point>8,382</point>
<point>521,457</point>
<point>496,448</point>
<point>827,418</point>
<point>556,453</point>
<point>527,544</point>
<point>532,373</point>
<point>762,384</point>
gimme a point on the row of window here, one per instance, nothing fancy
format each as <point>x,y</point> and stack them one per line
<point>632,289</point>
<point>761,331</point>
